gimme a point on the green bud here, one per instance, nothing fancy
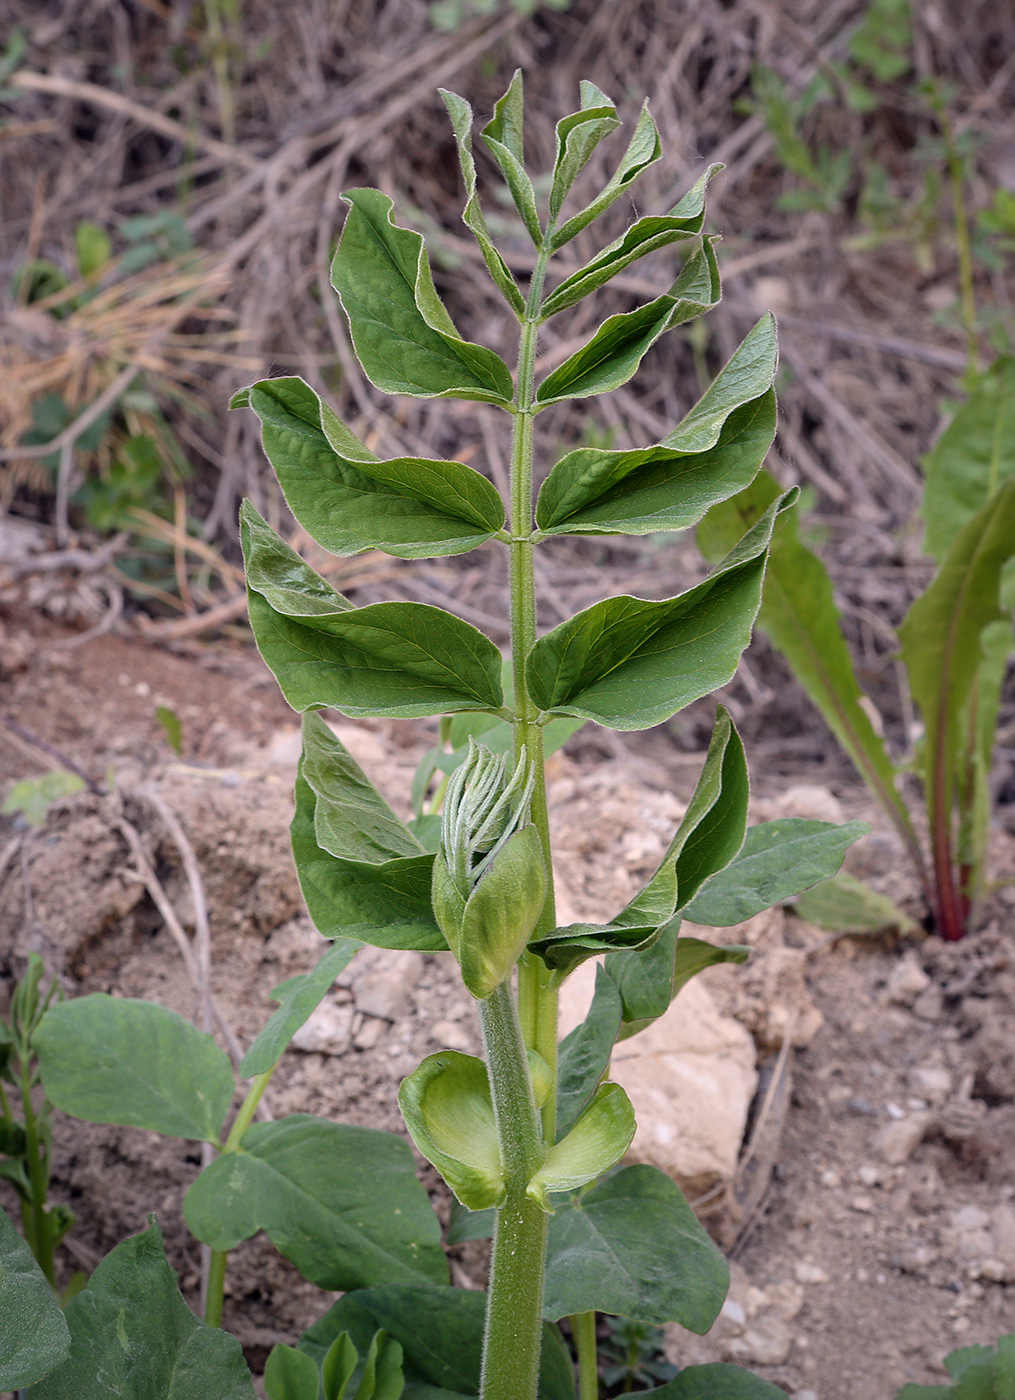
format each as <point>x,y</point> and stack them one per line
<point>489,878</point>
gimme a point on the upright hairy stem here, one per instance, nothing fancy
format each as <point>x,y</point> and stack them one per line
<point>36,1218</point>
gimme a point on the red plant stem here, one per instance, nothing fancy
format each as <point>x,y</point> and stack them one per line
<point>951,924</point>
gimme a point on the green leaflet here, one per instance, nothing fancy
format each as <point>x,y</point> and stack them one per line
<point>630,663</point>
<point>502,137</point>
<point>577,137</point>
<point>399,659</point>
<point>941,639</point>
<point>34,1337</point>
<point>349,501</point>
<point>472,216</point>
<point>440,1331</point>
<point>342,1203</point>
<point>115,1060</point>
<point>618,346</point>
<point>632,1246</point>
<point>799,614</point>
<point>134,1337</point>
<point>647,235</point>
<point>404,338</point>
<point>648,982</point>
<point>290,1375</point>
<point>714,453</point>
<point>564,949</point>
<point>643,150</point>
<point>386,903</point>
<point>584,1055</point>
<point>777,860</point>
<point>448,1110</point>
<point>844,904</point>
<point>299,997</point>
<point>971,458</point>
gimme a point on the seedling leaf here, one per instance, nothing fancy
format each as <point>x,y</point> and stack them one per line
<point>34,1337</point>
<point>290,1375</point>
<point>845,904</point>
<point>299,997</point>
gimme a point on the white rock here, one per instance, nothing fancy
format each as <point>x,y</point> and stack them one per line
<point>931,1082</point>
<point>969,1218</point>
<point>809,1273</point>
<point>384,988</point>
<point>767,1342</point>
<point>452,1035</point>
<point>996,1270</point>
<point>1002,1228</point>
<point>327,1032</point>
<point>810,801</point>
<point>369,1033</point>
<point>906,980</point>
<point>691,1077</point>
<point>896,1142</point>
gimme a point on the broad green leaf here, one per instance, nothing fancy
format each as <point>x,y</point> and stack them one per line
<point>115,1060</point>
<point>845,904</point>
<point>351,818</point>
<point>34,1337</point>
<point>593,491</point>
<point>601,1135</point>
<point>134,1338</point>
<point>440,1331</point>
<point>299,998</point>
<point>290,1375</point>
<point>448,1110</point>
<point>341,1203</point>
<point>349,501</point>
<point>584,1055</point>
<point>630,663</point>
<point>716,1381</point>
<point>577,137</point>
<point>564,949</point>
<point>643,150</point>
<point>397,659</point>
<point>618,346</point>
<point>632,1246</point>
<point>777,860</point>
<point>403,336</point>
<point>472,216</point>
<point>798,612</point>
<point>685,220</point>
<point>386,904</point>
<point>971,458</point>
<point>502,137</point>
<point>941,638</point>
<point>33,796</point>
<point>747,375</point>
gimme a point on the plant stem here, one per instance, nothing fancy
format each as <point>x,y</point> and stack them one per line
<point>513,1335</point>
<point>215,1300</point>
<point>583,1330</point>
<point>42,1238</point>
<point>964,244</point>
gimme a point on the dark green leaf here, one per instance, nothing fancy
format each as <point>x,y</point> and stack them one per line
<point>971,458</point>
<point>387,905</point>
<point>645,979</point>
<point>777,860</point>
<point>402,333</point>
<point>349,501</point>
<point>618,346</point>
<point>299,997</point>
<point>382,1377</point>
<point>685,220</point>
<point>577,137</point>
<point>472,216</point>
<point>630,663</point>
<point>584,1055</point>
<point>34,1337</point>
<point>134,1338</point>
<point>441,1334</point>
<point>643,150</point>
<point>398,659</point>
<point>502,137</point>
<point>290,1375</point>
<point>469,1224</point>
<point>717,1381</point>
<point>341,1203</point>
<point>632,1246</point>
<point>564,949</point>
<point>844,904</point>
<point>114,1060</point>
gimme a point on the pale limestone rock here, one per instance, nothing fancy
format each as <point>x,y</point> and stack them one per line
<point>384,985</point>
<point>766,1342</point>
<point>907,981</point>
<point>368,1032</point>
<point>1002,1228</point>
<point>451,1035</point>
<point>809,1273</point>
<point>327,1031</point>
<point>931,1082</point>
<point>811,802</point>
<point>691,1077</point>
<point>896,1142</point>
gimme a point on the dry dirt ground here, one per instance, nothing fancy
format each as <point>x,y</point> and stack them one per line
<point>872,1231</point>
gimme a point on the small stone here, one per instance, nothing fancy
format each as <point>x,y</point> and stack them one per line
<point>809,1273</point>
<point>862,1203</point>
<point>806,1395</point>
<point>906,981</point>
<point>915,1258</point>
<point>385,987</point>
<point>810,801</point>
<point>452,1035</point>
<point>894,1111</point>
<point>326,1032</point>
<point>896,1142</point>
<point>932,1082</point>
<point>994,1270</point>
<point>961,1325</point>
<point>929,1004</point>
<point>767,1342</point>
<point>369,1033</point>
<point>1002,1228</point>
<point>734,1313</point>
<point>830,1178</point>
<point>969,1218</point>
<point>869,1175</point>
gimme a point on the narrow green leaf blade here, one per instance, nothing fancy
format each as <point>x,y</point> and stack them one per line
<point>584,1055</point>
<point>342,1203</point>
<point>632,1246</point>
<point>115,1060</point>
<point>844,904</point>
<point>387,904</point>
<point>502,137</point>
<point>630,663</point>
<point>299,997</point>
<point>290,1375</point>
<point>337,1366</point>
<point>616,350</point>
<point>134,1338</point>
<point>440,1331</point>
<point>777,861</point>
<point>404,338</point>
<point>643,150</point>
<point>34,1337</point>
<point>578,135</point>
<point>397,659</point>
<point>348,501</point>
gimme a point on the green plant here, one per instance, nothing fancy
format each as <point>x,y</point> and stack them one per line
<point>955,644</point>
<point>528,1138</point>
<point>633,1356</point>
<point>451,14</point>
<point>977,1373</point>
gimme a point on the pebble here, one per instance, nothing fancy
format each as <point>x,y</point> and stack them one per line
<point>931,1082</point>
<point>369,1033</point>
<point>929,1004</point>
<point>809,1273</point>
<point>994,1270</point>
<point>906,981</point>
<point>914,1258</point>
<point>326,1032</point>
<point>869,1175</point>
<point>862,1203</point>
<point>385,988</point>
<point>830,1178</point>
<point>767,1342</point>
<point>452,1035</point>
<point>896,1142</point>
